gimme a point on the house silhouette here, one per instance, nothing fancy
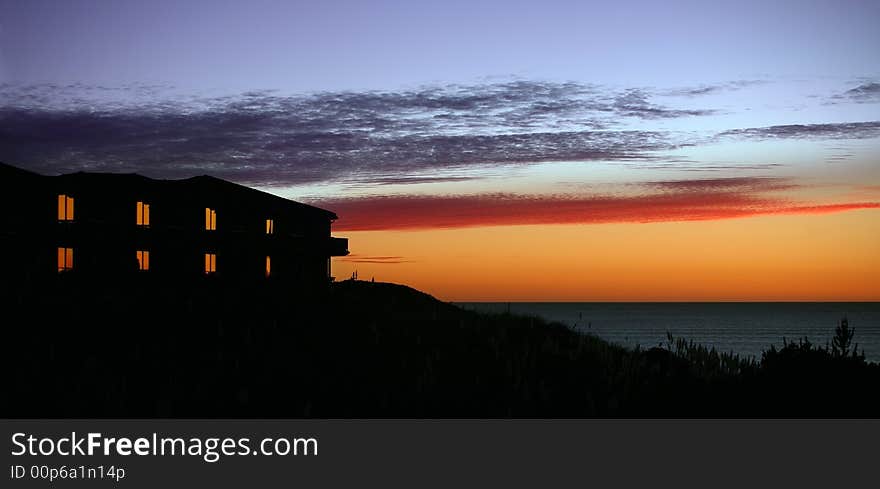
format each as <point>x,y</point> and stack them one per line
<point>103,228</point>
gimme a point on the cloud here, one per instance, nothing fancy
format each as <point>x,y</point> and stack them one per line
<point>635,103</point>
<point>704,90</point>
<point>415,179</point>
<point>430,134</point>
<point>701,90</point>
<point>865,93</point>
<point>731,184</point>
<point>694,200</point>
<point>846,130</point>
<point>265,138</point>
<point>377,260</point>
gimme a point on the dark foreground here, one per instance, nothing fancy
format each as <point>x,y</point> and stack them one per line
<point>381,350</point>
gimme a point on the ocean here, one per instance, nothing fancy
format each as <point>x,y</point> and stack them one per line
<point>746,328</point>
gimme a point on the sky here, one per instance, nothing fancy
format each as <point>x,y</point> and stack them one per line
<point>491,150</point>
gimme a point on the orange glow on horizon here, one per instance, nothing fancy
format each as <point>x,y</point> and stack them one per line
<point>791,257</point>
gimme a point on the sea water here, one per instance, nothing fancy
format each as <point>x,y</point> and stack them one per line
<point>744,328</point>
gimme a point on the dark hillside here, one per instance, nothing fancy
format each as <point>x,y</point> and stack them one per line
<point>377,350</point>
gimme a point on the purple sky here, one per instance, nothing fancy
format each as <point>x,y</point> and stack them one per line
<point>332,44</point>
<point>314,100</point>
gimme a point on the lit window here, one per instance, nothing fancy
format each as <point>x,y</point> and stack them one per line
<point>65,208</point>
<point>270,226</point>
<point>210,219</point>
<point>65,259</point>
<point>143,214</point>
<point>268,266</point>
<point>210,263</point>
<point>143,259</point>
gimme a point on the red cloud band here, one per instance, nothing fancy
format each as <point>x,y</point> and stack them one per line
<point>427,212</point>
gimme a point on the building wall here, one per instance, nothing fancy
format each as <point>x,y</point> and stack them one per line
<point>105,237</point>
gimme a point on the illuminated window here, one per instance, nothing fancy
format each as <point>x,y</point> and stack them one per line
<point>210,263</point>
<point>270,226</point>
<point>143,259</point>
<point>210,219</point>
<point>143,214</point>
<point>65,208</point>
<point>65,259</point>
<point>268,266</point>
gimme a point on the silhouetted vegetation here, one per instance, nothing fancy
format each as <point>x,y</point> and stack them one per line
<point>843,340</point>
<point>366,349</point>
<point>707,361</point>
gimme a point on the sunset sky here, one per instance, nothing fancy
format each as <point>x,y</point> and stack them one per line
<point>491,150</point>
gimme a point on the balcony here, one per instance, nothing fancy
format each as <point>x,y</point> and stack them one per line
<point>338,246</point>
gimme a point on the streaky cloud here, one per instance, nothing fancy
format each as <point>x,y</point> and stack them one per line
<point>845,130</point>
<point>693,200</point>
<point>265,138</point>
<point>753,184</point>
<point>635,103</point>
<point>865,93</point>
<point>376,260</point>
<point>710,89</point>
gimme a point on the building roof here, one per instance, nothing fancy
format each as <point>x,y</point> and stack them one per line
<point>221,185</point>
<point>199,184</point>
